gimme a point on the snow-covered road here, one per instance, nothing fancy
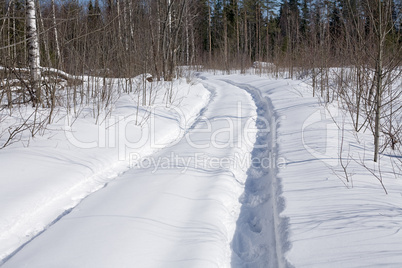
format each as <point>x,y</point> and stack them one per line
<point>176,208</point>
<point>252,182</point>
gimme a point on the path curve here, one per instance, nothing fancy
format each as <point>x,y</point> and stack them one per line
<point>178,212</point>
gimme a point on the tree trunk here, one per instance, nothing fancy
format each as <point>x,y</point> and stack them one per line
<point>209,34</point>
<point>381,37</point>
<point>33,51</point>
<point>44,38</point>
<point>187,38</point>
<point>225,40</point>
<point>237,31</point>
<point>56,36</point>
<point>245,33</point>
<point>358,96</point>
<point>119,31</point>
<point>130,19</point>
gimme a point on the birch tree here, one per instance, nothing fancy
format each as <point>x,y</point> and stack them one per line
<point>56,36</point>
<point>33,51</point>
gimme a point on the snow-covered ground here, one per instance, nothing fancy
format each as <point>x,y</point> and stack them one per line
<point>243,172</point>
<point>76,157</point>
<point>326,221</point>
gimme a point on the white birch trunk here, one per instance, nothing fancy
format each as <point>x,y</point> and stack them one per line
<point>379,87</point>
<point>170,16</point>
<point>33,49</point>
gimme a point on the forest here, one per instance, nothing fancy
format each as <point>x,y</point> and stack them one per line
<point>350,49</point>
<point>200,133</point>
<point>128,37</point>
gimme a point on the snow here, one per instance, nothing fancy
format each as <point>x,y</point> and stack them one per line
<point>244,171</point>
<point>162,214</point>
<point>326,224</point>
<point>40,182</point>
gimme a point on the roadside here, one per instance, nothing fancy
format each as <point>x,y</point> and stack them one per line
<point>327,221</point>
<point>192,204</point>
<point>175,208</point>
<point>75,157</point>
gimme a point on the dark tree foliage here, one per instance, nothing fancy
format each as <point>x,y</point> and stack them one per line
<point>123,35</point>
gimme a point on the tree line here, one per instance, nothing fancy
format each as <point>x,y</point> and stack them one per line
<point>359,41</point>
<point>126,37</point>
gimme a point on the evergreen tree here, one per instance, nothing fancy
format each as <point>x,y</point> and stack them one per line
<point>305,20</point>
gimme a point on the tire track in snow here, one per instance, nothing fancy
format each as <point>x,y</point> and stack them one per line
<point>260,238</point>
<point>195,212</point>
<point>198,119</point>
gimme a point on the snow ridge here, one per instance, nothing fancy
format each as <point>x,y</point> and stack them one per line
<point>261,239</point>
<point>66,212</point>
<point>69,174</point>
<point>178,215</point>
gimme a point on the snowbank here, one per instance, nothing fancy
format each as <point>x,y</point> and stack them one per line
<point>76,157</point>
<point>175,208</point>
<point>329,222</point>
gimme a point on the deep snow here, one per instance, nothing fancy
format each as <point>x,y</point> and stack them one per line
<point>326,221</point>
<point>252,180</point>
<point>44,180</point>
<point>163,212</point>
